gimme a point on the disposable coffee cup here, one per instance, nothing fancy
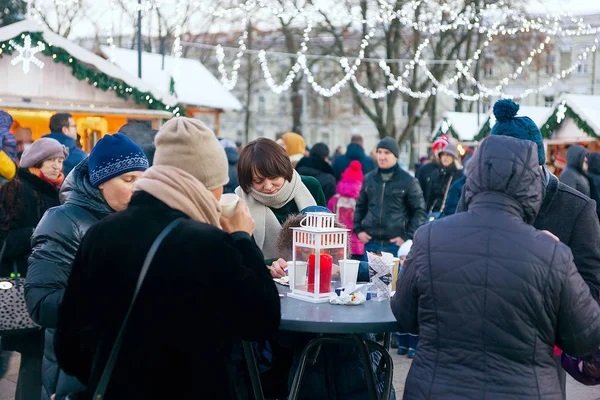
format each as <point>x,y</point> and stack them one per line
<point>297,272</point>
<point>228,204</point>
<point>349,272</point>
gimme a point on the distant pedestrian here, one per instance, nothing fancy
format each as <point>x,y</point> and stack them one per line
<point>354,151</point>
<point>8,141</point>
<point>490,307</point>
<point>390,207</point>
<point>317,165</point>
<point>575,175</point>
<point>63,129</point>
<point>343,204</point>
<point>294,145</point>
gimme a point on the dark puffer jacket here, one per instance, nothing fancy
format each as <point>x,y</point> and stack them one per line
<point>573,175</point>
<point>594,175</point>
<point>490,307</point>
<point>55,242</point>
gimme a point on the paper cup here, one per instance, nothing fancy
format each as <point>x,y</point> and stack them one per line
<point>228,204</point>
<point>349,272</point>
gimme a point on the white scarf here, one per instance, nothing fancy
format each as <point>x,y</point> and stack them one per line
<point>267,225</point>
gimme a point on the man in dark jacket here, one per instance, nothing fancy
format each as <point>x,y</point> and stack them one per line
<point>63,129</point>
<point>565,212</point>
<point>390,206</point>
<point>233,156</point>
<point>490,307</point>
<point>354,151</point>
<point>575,175</point>
<point>317,166</point>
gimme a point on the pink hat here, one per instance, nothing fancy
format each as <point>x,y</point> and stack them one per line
<point>353,172</point>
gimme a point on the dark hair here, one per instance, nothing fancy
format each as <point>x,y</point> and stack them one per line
<point>59,121</point>
<point>357,138</point>
<point>263,157</point>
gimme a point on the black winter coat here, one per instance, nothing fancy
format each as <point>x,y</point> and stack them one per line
<point>232,160</point>
<point>321,170</point>
<point>435,182</point>
<point>389,209</point>
<point>204,288</point>
<point>55,242</point>
<point>23,201</point>
<point>573,175</point>
<point>490,307</point>
<point>594,178</point>
<point>569,215</point>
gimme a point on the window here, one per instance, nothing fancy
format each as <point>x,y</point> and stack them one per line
<point>550,64</point>
<point>261,104</point>
<point>565,60</point>
<point>355,107</point>
<point>488,66</point>
<point>283,102</point>
<point>404,108</point>
<point>582,67</point>
<point>548,101</point>
<point>328,108</point>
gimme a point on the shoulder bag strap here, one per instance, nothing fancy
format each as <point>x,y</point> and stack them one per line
<point>112,359</point>
<point>446,194</point>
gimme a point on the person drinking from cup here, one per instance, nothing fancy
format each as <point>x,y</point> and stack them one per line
<point>206,287</point>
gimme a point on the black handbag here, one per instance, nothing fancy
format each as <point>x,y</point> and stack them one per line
<point>14,317</point>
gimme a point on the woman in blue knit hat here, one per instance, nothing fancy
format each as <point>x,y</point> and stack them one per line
<point>98,186</point>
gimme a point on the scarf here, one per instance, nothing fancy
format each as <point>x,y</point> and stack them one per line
<point>54,182</point>
<point>267,226</point>
<point>181,191</point>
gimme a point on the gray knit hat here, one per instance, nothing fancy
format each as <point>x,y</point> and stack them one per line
<point>389,143</point>
<point>188,144</point>
<point>40,150</point>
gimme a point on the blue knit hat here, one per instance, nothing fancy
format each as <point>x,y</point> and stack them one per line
<point>115,155</point>
<point>508,124</point>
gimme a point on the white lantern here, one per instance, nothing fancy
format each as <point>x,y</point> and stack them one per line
<point>318,246</point>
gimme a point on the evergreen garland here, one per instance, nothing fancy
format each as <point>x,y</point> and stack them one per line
<point>91,75</point>
<point>552,125</point>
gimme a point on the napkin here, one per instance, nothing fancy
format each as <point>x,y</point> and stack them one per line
<point>380,270</point>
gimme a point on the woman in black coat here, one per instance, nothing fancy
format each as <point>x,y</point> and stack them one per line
<point>23,201</point>
<point>490,308</point>
<point>206,285</point>
<point>98,186</point>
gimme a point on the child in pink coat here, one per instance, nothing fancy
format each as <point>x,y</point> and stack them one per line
<point>343,203</point>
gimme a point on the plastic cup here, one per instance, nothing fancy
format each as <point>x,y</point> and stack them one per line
<point>297,273</point>
<point>349,272</point>
<point>228,204</point>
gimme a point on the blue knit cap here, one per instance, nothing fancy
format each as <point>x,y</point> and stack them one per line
<point>115,155</point>
<point>508,124</point>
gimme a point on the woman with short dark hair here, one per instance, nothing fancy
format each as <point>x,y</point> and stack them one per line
<point>273,191</point>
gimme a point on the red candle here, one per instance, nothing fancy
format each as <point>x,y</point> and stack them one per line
<point>325,267</point>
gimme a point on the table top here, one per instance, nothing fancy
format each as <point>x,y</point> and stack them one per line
<point>303,316</point>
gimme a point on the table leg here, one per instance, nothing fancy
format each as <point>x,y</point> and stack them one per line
<point>252,370</point>
<point>295,389</point>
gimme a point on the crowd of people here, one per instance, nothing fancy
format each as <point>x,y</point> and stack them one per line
<point>143,288</point>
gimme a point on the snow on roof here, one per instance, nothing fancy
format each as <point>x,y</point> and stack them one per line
<point>85,56</point>
<point>464,124</point>
<point>586,106</point>
<point>194,84</point>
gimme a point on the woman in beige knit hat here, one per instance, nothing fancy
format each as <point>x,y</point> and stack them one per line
<point>207,283</point>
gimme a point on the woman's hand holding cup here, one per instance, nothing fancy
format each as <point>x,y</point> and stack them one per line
<point>239,221</point>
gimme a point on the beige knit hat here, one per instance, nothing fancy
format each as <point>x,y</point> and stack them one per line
<point>188,144</point>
